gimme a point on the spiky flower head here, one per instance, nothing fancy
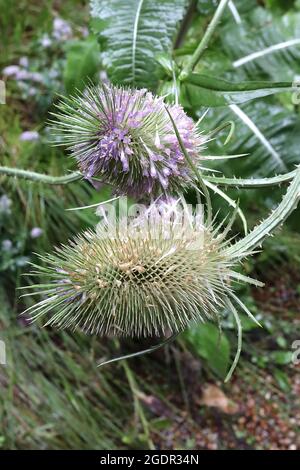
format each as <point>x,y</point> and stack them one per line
<point>156,274</point>
<point>124,137</point>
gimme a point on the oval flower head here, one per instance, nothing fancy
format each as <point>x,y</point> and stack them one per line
<point>124,137</point>
<point>150,275</point>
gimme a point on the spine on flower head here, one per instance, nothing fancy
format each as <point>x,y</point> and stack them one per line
<point>157,274</point>
<point>125,138</point>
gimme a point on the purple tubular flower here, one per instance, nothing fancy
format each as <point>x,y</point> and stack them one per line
<point>125,138</point>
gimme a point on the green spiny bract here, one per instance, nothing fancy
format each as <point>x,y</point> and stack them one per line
<point>148,278</point>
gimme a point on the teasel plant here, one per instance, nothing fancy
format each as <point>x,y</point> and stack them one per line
<point>159,276</point>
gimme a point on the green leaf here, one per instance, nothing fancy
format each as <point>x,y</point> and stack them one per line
<point>132,33</point>
<point>281,341</point>
<point>258,32</point>
<point>250,45</point>
<point>281,357</point>
<point>161,423</point>
<point>279,5</point>
<point>282,380</point>
<point>82,63</point>
<point>208,344</point>
<point>204,90</point>
<point>276,124</point>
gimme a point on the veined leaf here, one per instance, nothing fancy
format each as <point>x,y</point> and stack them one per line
<point>264,45</point>
<point>132,33</point>
<point>204,90</point>
<point>274,155</point>
<point>276,150</point>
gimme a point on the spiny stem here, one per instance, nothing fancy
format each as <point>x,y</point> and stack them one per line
<point>40,177</point>
<point>204,41</point>
<point>252,183</point>
<point>256,237</point>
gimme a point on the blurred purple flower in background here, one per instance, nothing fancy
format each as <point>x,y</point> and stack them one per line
<point>61,29</point>
<point>18,73</point>
<point>36,232</point>
<point>5,204</point>
<point>46,41</point>
<point>24,62</point>
<point>29,136</point>
<point>11,70</point>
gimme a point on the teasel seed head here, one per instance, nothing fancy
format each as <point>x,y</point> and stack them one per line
<point>124,137</point>
<point>158,274</point>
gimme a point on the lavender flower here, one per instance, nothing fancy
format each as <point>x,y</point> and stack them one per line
<point>5,204</point>
<point>23,75</point>
<point>61,29</point>
<point>36,232</point>
<point>46,41</point>
<point>29,136</point>
<point>36,77</point>
<point>11,70</point>
<point>24,62</point>
<point>125,137</point>
<point>19,74</point>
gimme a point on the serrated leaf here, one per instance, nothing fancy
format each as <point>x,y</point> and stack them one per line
<point>132,33</point>
<point>264,45</point>
<point>275,123</point>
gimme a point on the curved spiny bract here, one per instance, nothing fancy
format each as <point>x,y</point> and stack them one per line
<point>124,137</point>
